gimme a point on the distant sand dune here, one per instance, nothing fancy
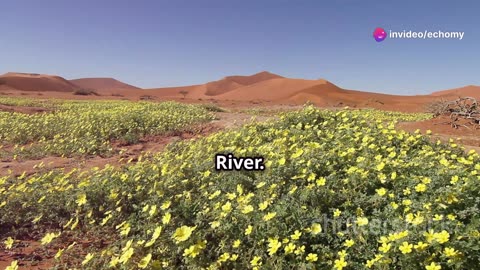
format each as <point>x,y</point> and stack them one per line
<point>272,90</point>
<point>102,83</point>
<point>260,87</point>
<point>467,91</point>
<point>36,82</point>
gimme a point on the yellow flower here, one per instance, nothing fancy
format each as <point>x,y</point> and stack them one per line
<point>451,217</point>
<point>227,207</point>
<point>9,243</point>
<point>406,248</point>
<point>289,248</point>
<point>191,252</point>
<point>49,237</point>
<point>269,216</point>
<point>381,191</point>
<point>87,258</point>
<point>214,224</point>
<point>340,264</point>
<point>385,247</point>
<point>407,202</point>
<point>166,205</point>
<point>418,219</point>
<point>450,252</point>
<point>298,153</point>
<point>153,210</point>
<point>248,230</point>
<point>429,236</point>
<point>380,166</point>
<point>362,221</point>
<point>337,213</point>
<point>59,253</point>
<point>155,236</point>
<point>300,250</point>
<point>296,235</point>
<point>420,188</point>
<point>349,243</point>
<point>426,180</point>
<point>231,196</point>
<point>247,209</point>
<point>13,266</point>
<point>145,261</point>
<point>194,250</point>
<point>409,218</point>
<point>311,257</point>
<point>441,237</point>
<point>316,228</point>
<point>166,218</point>
<point>383,239</point>
<point>369,263</point>
<point>433,266</point>
<point>236,243</point>
<point>273,246</point>
<point>82,199</point>
<point>263,205</point>
<point>261,184</point>
<point>321,181</point>
<point>420,246</point>
<point>183,233</point>
<point>224,257</point>
<point>454,179</point>
<point>127,254</point>
<point>256,261</point>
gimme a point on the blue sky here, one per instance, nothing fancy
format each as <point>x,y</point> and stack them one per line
<point>169,43</point>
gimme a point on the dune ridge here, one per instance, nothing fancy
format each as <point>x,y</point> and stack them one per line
<point>36,82</point>
<point>260,87</point>
<point>466,91</point>
<point>102,83</point>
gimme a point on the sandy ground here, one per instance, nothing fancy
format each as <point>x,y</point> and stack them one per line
<point>468,135</point>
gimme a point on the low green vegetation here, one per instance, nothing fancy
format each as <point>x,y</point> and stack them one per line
<point>89,127</point>
<point>342,190</point>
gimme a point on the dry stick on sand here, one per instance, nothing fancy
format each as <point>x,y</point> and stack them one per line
<point>461,108</point>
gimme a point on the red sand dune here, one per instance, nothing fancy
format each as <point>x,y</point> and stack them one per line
<point>330,95</point>
<point>271,90</point>
<point>212,89</point>
<point>268,87</point>
<point>466,91</point>
<point>255,78</point>
<point>101,83</point>
<point>323,93</point>
<point>230,83</point>
<point>260,87</point>
<point>35,82</point>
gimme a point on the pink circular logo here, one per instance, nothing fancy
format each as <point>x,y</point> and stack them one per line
<point>379,34</point>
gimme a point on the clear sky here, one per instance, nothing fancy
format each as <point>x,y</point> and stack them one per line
<point>169,43</point>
